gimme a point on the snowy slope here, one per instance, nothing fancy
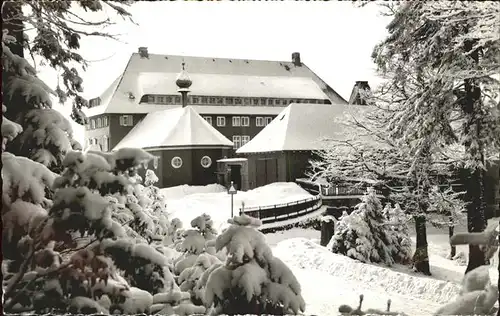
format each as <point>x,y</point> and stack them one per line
<point>345,279</point>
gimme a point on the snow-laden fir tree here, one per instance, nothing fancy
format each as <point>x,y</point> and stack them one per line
<point>363,234</point>
<point>399,233</point>
<point>71,253</point>
<point>440,60</point>
<point>197,255</point>
<point>192,267</point>
<point>251,280</point>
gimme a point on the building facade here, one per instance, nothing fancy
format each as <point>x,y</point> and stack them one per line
<point>237,97</point>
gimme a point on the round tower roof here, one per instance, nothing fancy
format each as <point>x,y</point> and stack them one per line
<point>183,81</point>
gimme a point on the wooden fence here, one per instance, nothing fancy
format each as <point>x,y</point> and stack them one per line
<point>285,211</point>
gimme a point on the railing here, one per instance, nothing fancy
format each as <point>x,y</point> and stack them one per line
<point>284,211</point>
<point>328,190</point>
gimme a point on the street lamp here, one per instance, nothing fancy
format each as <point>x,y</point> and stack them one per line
<point>232,191</point>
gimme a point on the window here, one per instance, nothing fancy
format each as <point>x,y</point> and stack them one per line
<point>245,121</point>
<point>262,101</point>
<point>270,102</point>
<point>156,159</point>
<point>105,121</point>
<point>151,99</point>
<point>268,120</point>
<point>244,139</point>
<point>90,141</point>
<point>229,101</point>
<point>96,142</point>
<point>99,122</point>
<point>176,162</point>
<point>208,119</point>
<point>126,120</point>
<point>277,102</point>
<point>160,99</point>
<point>206,162</point>
<point>236,141</point>
<point>255,101</point>
<point>105,143</point>
<point>168,100</point>
<point>247,101</point>
<point>284,102</point>
<point>221,121</point>
<point>212,100</point>
<point>259,121</point>
<point>195,100</point>
<point>236,121</point>
<point>220,100</point>
<point>204,100</point>
<point>237,101</point>
<point>92,124</point>
<point>177,99</point>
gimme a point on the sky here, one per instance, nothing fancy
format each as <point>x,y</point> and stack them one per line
<point>335,39</point>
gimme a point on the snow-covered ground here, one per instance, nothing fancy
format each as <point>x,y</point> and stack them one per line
<point>187,202</point>
<point>329,280</point>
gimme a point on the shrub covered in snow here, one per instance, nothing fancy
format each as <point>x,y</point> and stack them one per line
<point>363,234</point>
<point>251,280</point>
<point>198,256</point>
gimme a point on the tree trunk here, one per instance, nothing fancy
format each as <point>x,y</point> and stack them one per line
<point>471,106</point>
<point>421,255</point>
<point>327,229</point>
<point>453,250</point>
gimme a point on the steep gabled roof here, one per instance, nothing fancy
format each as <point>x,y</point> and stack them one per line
<point>173,128</point>
<point>156,74</point>
<point>304,127</point>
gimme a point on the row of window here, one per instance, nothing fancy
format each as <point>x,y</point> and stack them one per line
<point>240,140</point>
<point>98,122</point>
<point>102,142</point>
<point>193,99</point>
<point>125,120</point>
<point>177,162</point>
<point>239,120</point>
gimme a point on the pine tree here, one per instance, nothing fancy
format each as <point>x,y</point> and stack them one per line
<point>363,235</point>
<point>440,60</point>
<point>251,280</point>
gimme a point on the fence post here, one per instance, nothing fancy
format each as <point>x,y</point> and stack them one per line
<point>327,229</point>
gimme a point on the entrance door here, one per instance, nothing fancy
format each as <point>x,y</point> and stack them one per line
<point>271,171</point>
<point>236,176</point>
<point>261,173</point>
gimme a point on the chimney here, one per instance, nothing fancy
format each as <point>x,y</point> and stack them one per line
<point>296,59</point>
<point>143,51</point>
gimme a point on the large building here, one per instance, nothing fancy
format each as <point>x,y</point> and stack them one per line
<point>238,97</point>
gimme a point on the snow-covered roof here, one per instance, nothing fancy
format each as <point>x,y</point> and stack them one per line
<point>171,128</point>
<point>211,77</point>
<point>304,127</point>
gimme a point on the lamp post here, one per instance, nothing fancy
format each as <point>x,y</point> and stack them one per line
<point>232,191</point>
